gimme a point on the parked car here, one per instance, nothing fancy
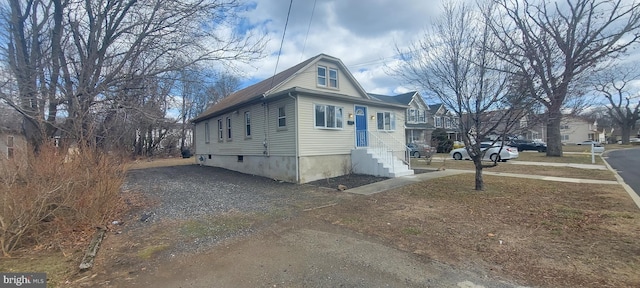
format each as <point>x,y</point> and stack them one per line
<point>420,150</point>
<point>528,145</point>
<point>493,152</point>
<point>588,142</point>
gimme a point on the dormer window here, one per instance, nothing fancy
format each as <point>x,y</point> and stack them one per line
<point>332,75</point>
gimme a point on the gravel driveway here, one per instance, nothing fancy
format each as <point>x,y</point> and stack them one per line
<point>189,191</point>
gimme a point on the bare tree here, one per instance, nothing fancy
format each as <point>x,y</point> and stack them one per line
<point>73,55</point>
<point>555,45</point>
<point>454,61</point>
<point>623,98</point>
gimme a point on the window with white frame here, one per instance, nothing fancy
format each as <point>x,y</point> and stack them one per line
<point>207,135</point>
<point>228,128</point>
<point>565,127</point>
<point>422,116</point>
<point>386,121</point>
<point>412,115</point>
<point>565,137</point>
<point>447,122</point>
<point>247,124</point>
<point>333,78</point>
<point>322,76</point>
<point>220,130</point>
<point>438,122</point>
<point>328,116</point>
<point>282,117</point>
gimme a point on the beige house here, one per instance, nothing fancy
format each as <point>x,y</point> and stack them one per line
<point>309,122</point>
<point>575,129</point>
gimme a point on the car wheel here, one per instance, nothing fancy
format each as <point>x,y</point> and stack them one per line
<point>494,157</point>
<point>457,156</point>
<point>416,154</point>
<point>520,149</point>
<point>503,160</point>
<point>541,150</point>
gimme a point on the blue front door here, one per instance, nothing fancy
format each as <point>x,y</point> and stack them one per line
<point>361,126</point>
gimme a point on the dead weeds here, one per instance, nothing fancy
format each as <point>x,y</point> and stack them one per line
<point>540,233</point>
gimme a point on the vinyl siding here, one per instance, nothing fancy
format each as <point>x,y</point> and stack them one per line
<point>319,141</point>
<point>307,79</point>
<point>282,142</point>
<point>238,144</point>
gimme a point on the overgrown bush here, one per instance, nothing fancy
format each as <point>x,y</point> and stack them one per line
<point>56,193</point>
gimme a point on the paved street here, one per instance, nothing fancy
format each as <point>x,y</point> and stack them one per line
<point>627,163</point>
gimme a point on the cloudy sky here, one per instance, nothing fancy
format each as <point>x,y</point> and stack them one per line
<point>363,34</point>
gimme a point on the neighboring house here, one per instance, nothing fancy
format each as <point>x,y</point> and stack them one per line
<point>443,118</point>
<point>575,129</point>
<point>11,139</point>
<point>312,121</point>
<point>417,129</point>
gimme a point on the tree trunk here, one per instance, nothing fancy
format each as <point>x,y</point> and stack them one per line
<point>554,137</point>
<point>626,134</point>
<point>479,180</point>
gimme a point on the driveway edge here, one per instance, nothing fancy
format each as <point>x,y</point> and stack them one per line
<point>631,192</point>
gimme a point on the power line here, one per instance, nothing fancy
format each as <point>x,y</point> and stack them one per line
<point>281,43</point>
<point>308,28</point>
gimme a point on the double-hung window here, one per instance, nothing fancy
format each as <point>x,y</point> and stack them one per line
<point>386,121</point>
<point>220,130</point>
<point>247,124</point>
<point>412,115</point>
<point>332,76</point>
<point>421,116</point>
<point>328,116</point>
<point>207,135</point>
<point>438,122</point>
<point>228,128</point>
<point>282,117</point>
<point>322,76</point>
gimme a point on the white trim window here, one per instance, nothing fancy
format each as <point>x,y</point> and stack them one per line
<point>207,135</point>
<point>412,115</point>
<point>228,128</point>
<point>328,116</point>
<point>386,121</point>
<point>333,78</point>
<point>565,137</point>
<point>220,130</point>
<point>422,117</point>
<point>438,122</point>
<point>247,124</point>
<point>327,79</point>
<point>322,76</point>
<point>447,122</point>
<point>282,117</point>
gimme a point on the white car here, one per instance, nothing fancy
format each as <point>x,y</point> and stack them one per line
<point>493,152</point>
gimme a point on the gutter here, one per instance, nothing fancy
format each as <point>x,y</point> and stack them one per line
<point>295,107</point>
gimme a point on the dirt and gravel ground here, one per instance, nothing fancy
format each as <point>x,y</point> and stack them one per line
<point>210,227</point>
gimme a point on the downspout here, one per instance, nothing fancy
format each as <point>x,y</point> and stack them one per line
<point>295,107</point>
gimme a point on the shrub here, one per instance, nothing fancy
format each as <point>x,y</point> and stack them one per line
<point>55,192</point>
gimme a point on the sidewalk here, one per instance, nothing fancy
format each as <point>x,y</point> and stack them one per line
<point>392,183</point>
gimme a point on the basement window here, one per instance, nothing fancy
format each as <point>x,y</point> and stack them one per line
<point>240,158</point>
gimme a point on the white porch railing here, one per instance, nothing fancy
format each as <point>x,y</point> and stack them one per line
<point>387,147</point>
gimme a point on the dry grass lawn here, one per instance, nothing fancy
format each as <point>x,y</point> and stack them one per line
<point>540,233</point>
<point>162,162</point>
<point>567,172</point>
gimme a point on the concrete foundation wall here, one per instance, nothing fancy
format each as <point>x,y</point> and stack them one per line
<point>275,167</point>
<point>321,167</point>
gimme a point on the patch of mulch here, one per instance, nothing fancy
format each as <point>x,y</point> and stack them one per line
<point>355,180</point>
<point>350,180</point>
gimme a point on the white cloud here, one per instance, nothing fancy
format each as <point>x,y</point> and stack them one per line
<point>363,34</point>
